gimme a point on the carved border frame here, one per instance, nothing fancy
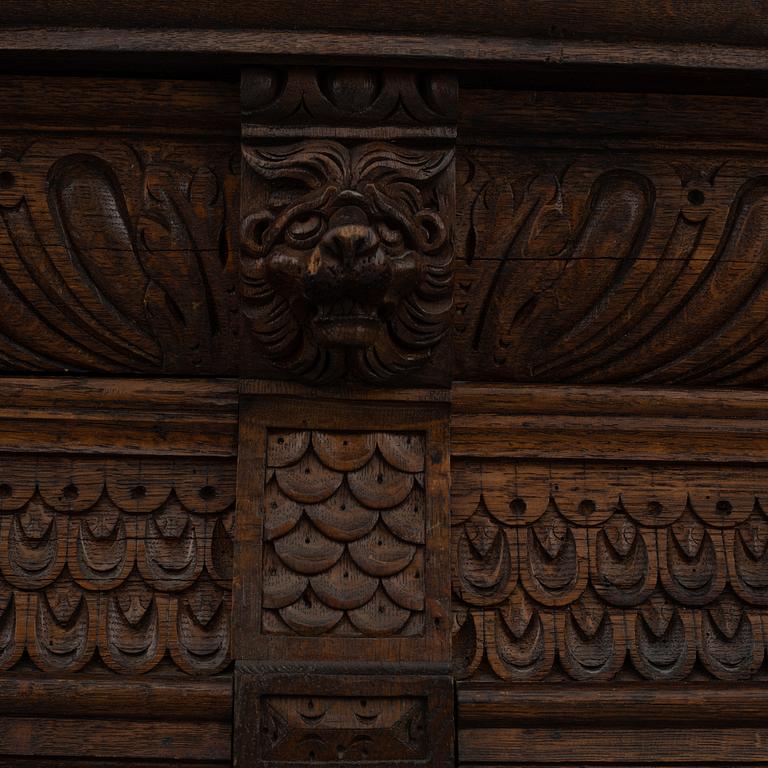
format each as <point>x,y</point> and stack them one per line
<point>257,416</point>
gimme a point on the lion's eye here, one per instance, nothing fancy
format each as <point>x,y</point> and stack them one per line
<point>306,228</point>
<point>390,235</point>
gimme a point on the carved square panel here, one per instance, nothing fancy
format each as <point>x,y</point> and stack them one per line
<point>344,531</point>
<point>294,717</point>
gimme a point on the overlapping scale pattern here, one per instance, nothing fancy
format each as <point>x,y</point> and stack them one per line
<point>126,560</point>
<point>593,571</point>
<point>344,534</point>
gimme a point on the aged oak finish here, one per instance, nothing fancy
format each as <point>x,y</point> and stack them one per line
<point>383,384</point>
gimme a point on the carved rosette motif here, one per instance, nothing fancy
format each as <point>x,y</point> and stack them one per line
<point>344,534</point>
<point>127,559</point>
<point>346,267</point>
<point>586,571</point>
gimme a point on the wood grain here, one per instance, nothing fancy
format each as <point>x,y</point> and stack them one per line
<point>119,416</point>
<point>283,500</point>
<point>624,267</point>
<point>742,22</point>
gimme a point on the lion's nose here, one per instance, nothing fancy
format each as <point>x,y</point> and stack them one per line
<point>349,242</point>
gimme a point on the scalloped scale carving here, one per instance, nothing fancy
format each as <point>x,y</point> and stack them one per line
<point>128,558</point>
<point>659,567</point>
<point>344,534</point>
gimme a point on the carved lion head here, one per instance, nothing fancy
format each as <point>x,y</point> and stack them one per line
<point>346,267</point>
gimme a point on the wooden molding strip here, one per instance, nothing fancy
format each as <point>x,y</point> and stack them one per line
<point>494,705</point>
<point>116,696</point>
<point>616,423</point>
<point>478,50</point>
<point>124,416</point>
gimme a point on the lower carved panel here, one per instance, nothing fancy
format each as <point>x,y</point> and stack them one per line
<point>126,560</point>
<point>596,572</point>
<point>292,716</point>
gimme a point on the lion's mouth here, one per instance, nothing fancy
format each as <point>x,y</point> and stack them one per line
<point>346,322</point>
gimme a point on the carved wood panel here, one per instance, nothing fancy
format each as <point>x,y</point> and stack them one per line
<point>341,596</point>
<point>597,572</point>
<point>611,267</point>
<point>124,559</point>
<point>300,717</point>
<point>344,530</point>
<point>117,255</point>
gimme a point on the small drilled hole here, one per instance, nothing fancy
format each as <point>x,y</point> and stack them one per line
<point>7,180</point>
<point>139,492</point>
<point>724,507</point>
<point>71,492</point>
<point>280,440</point>
<point>654,508</point>
<point>696,197</point>
<point>207,492</point>
<point>5,490</point>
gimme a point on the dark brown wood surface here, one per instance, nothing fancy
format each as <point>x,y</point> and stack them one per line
<point>740,22</point>
<point>353,411</point>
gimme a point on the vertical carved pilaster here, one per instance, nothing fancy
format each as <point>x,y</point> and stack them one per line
<point>342,569</point>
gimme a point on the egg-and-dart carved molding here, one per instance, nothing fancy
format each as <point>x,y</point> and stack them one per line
<point>129,560</point>
<point>589,570</point>
<point>344,98</point>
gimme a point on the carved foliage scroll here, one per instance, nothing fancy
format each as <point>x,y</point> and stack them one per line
<point>632,267</point>
<point>347,244</point>
<point>117,257</point>
<point>586,571</point>
<point>127,559</point>
<point>344,532</point>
